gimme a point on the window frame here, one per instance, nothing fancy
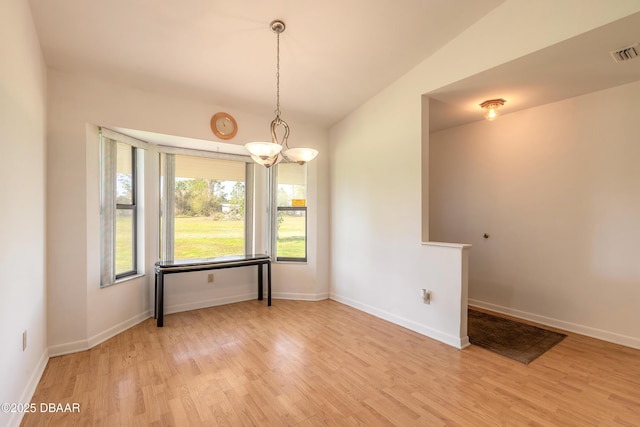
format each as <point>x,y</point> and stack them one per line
<point>167,243</point>
<point>133,207</point>
<point>109,140</point>
<point>291,209</point>
<point>275,210</point>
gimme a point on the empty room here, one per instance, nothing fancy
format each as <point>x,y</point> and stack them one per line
<point>408,212</point>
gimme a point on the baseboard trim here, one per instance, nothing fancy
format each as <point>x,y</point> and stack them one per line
<point>30,388</point>
<point>451,340</point>
<point>115,330</point>
<point>179,308</point>
<point>68,348</point>
<point>608,336</point>
<point>82,345</point>
<point>300,297</point>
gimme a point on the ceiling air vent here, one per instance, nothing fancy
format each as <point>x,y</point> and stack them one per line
<point>626,53</point>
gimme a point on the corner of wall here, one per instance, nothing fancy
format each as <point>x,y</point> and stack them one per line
<point>30,388</point>
<point>425,167</point>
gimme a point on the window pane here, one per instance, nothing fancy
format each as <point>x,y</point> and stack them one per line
<point>124,241</point>
<point>124,175</point>
<point>291,234</point>
<point>209,207</point>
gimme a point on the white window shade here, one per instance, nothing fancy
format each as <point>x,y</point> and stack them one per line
<point>207,168</point>
<point>292,174</point>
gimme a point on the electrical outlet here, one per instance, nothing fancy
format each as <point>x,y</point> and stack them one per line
<point>24,340</point>
<point>426,296</point>
<point>210,278</point>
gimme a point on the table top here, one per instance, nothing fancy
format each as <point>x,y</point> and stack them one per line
<point>228,259</point>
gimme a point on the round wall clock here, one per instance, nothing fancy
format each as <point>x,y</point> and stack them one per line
<point>224,126</point>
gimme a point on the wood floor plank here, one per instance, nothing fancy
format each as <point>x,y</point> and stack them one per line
<point>326,364</point>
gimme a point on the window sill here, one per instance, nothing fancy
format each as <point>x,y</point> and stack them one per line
<point>291,262</point>
<point>124,279</point>
<point>448,245</point>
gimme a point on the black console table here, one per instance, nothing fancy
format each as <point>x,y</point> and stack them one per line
<point>200,264</point>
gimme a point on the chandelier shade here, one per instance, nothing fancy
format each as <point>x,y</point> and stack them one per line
<point>267,161</point>
<point>263,150</point>
<point>300,155</point>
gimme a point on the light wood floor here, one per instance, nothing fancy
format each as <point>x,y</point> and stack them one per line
<point>323,363</point>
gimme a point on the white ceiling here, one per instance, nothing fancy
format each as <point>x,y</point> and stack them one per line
<point>335,54</point>
<point>577,66</point>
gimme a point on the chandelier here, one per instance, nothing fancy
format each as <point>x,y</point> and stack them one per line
<point>271,153</point>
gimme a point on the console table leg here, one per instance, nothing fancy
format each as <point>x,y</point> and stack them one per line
<point>260,285</point>
<point>160,300</point>
<point>269,283</point>
<point>155,298</point>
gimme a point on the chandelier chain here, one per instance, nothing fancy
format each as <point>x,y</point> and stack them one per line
<point>278,75</point>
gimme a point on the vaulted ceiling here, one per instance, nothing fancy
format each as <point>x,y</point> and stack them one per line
<point>335,54</point>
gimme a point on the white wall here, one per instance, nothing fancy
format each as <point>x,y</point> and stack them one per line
<point>22,216</point>
<point>377,184</point>
<point>558,189</point>
<point>379,263</point>
<point>81,314</point>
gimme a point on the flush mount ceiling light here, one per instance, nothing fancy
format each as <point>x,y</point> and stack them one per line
<point>270,153</point>
<point>491,107</point>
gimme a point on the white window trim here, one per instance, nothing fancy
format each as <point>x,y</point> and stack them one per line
<point>108,158</point>
<point>272,212</point>
<point>167,234</point>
